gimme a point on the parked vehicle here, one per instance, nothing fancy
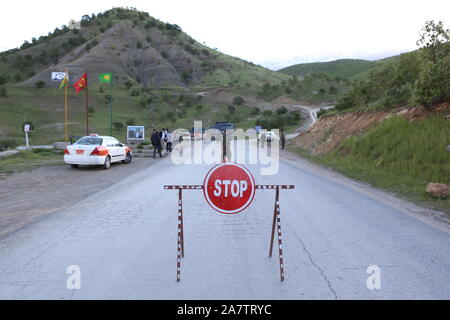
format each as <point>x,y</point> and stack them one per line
<point>222,126</point>
<point>269,136</point>
<point>97,150</point>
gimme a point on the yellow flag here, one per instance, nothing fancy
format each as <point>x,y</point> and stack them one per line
<point>64,81</point>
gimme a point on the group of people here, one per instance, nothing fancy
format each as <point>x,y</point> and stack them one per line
<point>161,140</point>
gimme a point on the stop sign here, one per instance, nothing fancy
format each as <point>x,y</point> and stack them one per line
<point>229,188</point>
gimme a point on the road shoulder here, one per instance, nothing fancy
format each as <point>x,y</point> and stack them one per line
<point>435,218</point>
<point>27,197</point>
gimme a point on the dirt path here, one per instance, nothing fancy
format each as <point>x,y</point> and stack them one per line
<point>26,197</point>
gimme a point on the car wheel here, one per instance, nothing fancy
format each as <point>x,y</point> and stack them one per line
<point>74,166</point>
<point>107,164</point>
<point>128,158</point>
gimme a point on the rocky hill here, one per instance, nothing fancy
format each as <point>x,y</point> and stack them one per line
<point>136,47</point>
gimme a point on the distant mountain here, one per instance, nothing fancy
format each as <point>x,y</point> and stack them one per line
<point>345,68</point>
<point>135,47</point>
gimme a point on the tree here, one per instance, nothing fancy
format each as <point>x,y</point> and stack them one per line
<point>432,84</point>
<point>118,125</point>
<point>238,100</point>
<point>282,110</point>
<point>255,111</point>
<point>40,84</point>
<point>432,40</point>
<point>3,80</point>
<point>231,108</point>
<point>3,92</point>
<point>128,84</point>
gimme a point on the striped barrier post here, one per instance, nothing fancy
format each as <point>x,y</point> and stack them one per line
<point>276,222</point>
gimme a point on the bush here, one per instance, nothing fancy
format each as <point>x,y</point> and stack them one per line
<point>40,84</point>
<point>3,80</point>
<point>231,108</point>
<point>282,110</point>
<point>131,122</point>
<point>255,111</point>
<point>118,125</point>
<point>3,92</point>
<point>128,84</point>
<point>135,93</point>
<point>238,100</point>
<point>43,151</point>
<point>6,144</point>
<point>432,84</point>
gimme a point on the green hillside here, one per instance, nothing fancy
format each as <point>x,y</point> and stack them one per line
<point>344,68</point>
<point>157,70</point>
<point>136,47</point>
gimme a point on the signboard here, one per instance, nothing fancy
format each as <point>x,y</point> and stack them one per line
<point>229,188</point>
<point>135,132</point>
<point>58,76</point>
<point>27,128</point>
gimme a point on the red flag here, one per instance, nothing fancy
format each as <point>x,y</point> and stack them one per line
<point>81,83</point>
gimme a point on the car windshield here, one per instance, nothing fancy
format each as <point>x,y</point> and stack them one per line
<point>90,141</point>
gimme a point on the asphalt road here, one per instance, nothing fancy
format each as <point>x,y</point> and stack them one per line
<point>124,239</point>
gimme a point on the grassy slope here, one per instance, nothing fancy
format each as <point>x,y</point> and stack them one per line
<point>344,68</point>
<point>398,156</point>
<point>45,108</point>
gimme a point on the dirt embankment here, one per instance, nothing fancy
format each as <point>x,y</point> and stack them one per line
<point>328,133</point>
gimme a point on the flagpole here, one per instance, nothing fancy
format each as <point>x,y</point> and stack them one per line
<point>110,106</point>
<point>87,106</point>
<point>65,106</point>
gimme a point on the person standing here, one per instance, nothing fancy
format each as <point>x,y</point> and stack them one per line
<point>169,140</point>
<point>283,139</point>
<point>156,142</point>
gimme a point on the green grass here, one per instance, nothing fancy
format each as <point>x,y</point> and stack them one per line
<point>45,108</point>
<point>30,159</point>
<point>398,155</point>
<point>344,68</point>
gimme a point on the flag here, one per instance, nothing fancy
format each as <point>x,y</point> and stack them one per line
<point>105,77</point>
<point>64,81</point>
<point>81,83</point>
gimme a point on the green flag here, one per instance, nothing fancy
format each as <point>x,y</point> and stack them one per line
<point>105,77</point>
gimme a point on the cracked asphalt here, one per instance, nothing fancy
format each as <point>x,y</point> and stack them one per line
<point>124,237</point>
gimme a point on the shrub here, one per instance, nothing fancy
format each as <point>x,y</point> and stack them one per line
<point>40,84</point>
<point>131,122</point>
<point>3,92</point>
<point>282,110</point>
<point>128,84</point>
<point>238,100</point>
<point>3,80</point>
<point>43,151</point>
<point>255,111</point>
<point>118,125</point>
<point>231,108</point>
<point>135,93</point>
<point>6,144</point>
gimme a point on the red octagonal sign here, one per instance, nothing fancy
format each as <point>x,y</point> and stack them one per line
<point>229,188</point>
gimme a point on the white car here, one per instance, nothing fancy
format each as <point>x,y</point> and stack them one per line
<point>97,150</point>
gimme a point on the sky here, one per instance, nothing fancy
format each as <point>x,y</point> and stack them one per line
<point>274,34</point>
